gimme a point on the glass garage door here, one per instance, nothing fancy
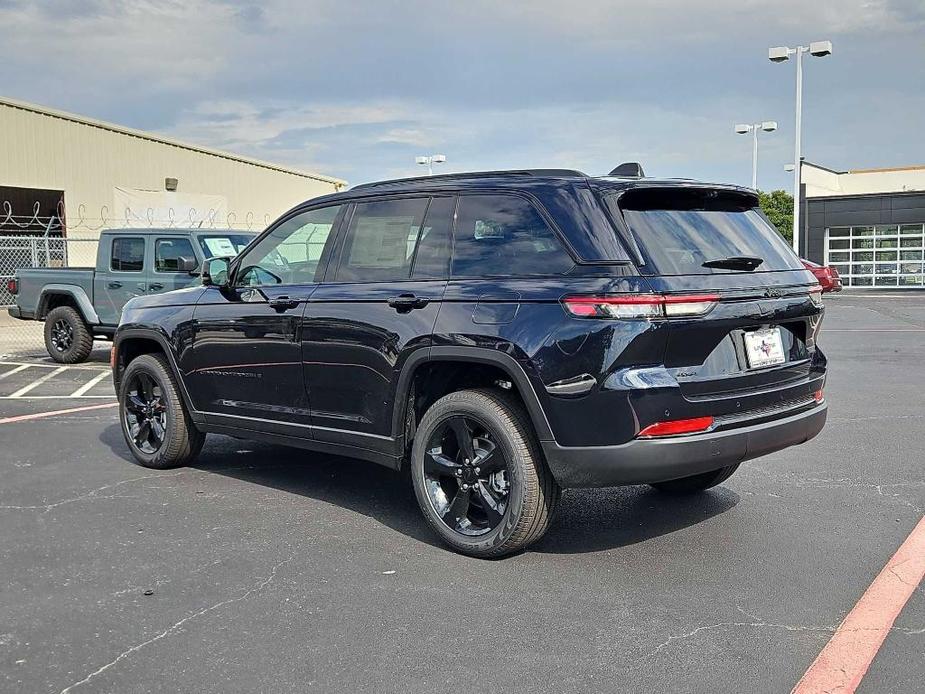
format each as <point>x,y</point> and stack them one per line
<point>886,255</point>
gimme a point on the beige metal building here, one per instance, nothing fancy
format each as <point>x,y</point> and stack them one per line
<point>67,175</point>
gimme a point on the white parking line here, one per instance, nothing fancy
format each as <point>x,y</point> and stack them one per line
<point>92,382</point>
<point>37,382</point>
<point>21,367</point>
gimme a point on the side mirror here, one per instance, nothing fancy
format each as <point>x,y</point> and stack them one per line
<point>215,272</point>
<point>187,264</point>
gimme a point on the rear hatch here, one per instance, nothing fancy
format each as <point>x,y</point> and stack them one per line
<point>755,346</point>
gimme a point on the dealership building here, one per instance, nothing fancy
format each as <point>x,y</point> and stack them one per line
<point>867,223</point>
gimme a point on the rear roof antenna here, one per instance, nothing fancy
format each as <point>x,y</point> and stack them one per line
<point>630,169</point>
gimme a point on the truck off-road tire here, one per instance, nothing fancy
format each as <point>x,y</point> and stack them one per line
<point>67,338</point>
<point>479,474</point>
<point>155,423</point>
<point>696,483</point>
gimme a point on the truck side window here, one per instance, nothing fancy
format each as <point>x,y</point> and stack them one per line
<point>128,254</point>
<point>167,252</point>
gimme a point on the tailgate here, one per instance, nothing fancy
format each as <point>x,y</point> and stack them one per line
<point>760,334</point>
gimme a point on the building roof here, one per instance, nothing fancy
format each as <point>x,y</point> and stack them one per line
<point>822,181</point>
<point>131,132</point>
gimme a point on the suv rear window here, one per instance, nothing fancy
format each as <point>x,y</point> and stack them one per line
<point>677,231</point>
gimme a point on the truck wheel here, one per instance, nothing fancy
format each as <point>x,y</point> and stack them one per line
<point>155,423</point>
<point>66,336</point>
<point>479,476</point>
<point>696,483</point>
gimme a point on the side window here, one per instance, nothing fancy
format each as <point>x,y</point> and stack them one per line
<point>128,254</point>
<point>432,258</point>
<point>379,243</point>
<point>167,252</point>
<point>289,254</point>
<point>505,235</point>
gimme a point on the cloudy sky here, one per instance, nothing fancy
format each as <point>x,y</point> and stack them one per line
<point>357,88</point>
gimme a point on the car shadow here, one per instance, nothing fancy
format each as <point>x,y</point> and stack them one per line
<point>589,520</point>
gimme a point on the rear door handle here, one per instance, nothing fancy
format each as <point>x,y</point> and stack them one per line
<point>155,287</point>
<point>281,303</point>
<point>115,285</point>
<point>408,302</point>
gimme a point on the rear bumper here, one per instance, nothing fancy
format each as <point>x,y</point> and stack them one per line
<point>17,312</point>
<point>642,461</point>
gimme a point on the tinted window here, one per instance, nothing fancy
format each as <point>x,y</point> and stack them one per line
<point>128,255</point>
<point>505,235</point>
<point>379,243</point>
<point>291,252</point>
<point>678,231</point>
<point>167,251</point>
<point>432,258</point>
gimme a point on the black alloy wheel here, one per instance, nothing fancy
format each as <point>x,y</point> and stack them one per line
<point>145,413</point>
<point>479,475</point>
<point>62,335</point>
<point>466,476</point>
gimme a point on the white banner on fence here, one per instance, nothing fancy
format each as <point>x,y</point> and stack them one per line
<point>155,208</point>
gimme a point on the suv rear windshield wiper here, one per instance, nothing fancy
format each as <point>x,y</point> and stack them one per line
<point>735,262</point>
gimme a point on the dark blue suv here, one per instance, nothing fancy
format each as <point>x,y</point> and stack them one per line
<point>500,335</point>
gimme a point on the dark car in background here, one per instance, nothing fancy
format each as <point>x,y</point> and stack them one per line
<point>499,335</point>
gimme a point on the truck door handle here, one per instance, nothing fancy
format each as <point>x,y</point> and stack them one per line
<point>281,303</point>
<point>155,287</point>
<point>403,303</point>
<point>115,285</point>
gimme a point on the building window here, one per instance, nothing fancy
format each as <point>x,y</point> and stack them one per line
<point>885,255</point>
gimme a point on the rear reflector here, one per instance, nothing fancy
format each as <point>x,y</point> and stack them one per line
<point>640,305</point>
<point>677,426</point>
<point>12,285</point>
<point>815,294</point>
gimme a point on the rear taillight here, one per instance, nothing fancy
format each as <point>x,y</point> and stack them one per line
<point>677,426</point>
<point>12,285</point>
<point>815,295</point>
<point>640,305</point>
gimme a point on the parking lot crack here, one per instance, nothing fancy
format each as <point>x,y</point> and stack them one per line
<point>173,628</point>
<point>92,494</point>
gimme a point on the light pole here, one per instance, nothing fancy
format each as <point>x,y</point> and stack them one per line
<point>429,161</point>
<point>779,54</point>
<point>768,126</point>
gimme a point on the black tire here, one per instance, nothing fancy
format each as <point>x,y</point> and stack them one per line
<point>532,494</point>
<point>696,483</point>
<point>181,441</point>
<point>67,338</point>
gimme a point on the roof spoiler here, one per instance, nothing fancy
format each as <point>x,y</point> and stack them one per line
<point>630,169</point>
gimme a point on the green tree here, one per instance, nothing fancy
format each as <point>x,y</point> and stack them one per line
<point>778,206</point>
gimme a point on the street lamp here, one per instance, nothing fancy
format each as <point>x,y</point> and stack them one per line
<point>778,54</point>
<point>768,126</point>
<point>429,161</point>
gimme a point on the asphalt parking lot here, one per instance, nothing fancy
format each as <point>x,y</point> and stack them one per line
<point>269,569</point>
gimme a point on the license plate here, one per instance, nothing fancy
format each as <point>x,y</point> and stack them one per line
<point>764,348</point>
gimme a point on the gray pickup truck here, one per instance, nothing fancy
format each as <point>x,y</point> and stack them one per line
<point>79,305</point>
